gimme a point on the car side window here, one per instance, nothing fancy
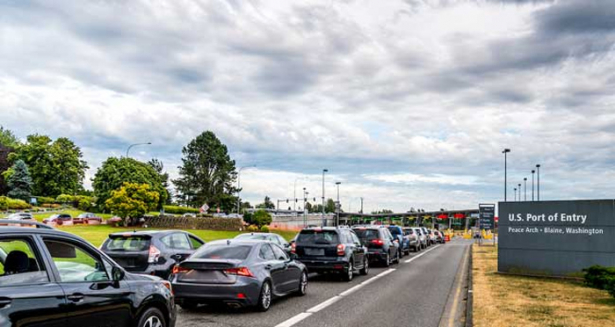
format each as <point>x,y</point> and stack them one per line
<point>75,263</point>
<point>266,253</point>
<point>279,253</point>
<point>196,243</point>
<point>177,241</point>
<point>355,238</point>
<point>19,263</point>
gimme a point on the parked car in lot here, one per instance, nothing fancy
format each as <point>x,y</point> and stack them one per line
<point>380,243</point>
<point>59,219</point>
<point>151,252</point>
<point>271,237</point>
<point>52,278</point>
<point>422,237</point>
<point>238,273</point>
<point>332,249</point>
<point>21,216</point>
<point>87,218</point>
<point>404,241</point>
<point>415,242</point>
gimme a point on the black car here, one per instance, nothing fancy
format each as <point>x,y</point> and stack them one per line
<point>332,249</point>
<point>239,273</point>
<point>381,244</point>
<point>151,252</point>
<point>53,278</point>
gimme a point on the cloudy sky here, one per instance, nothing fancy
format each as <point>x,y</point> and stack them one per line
<point>407,103</point>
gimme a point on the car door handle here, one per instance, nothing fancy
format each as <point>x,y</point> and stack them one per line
<point>76,297</point>
<point>4,302</point>
<point>268,267</point>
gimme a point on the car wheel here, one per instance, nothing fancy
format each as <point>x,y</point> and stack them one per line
<point>365,269</point>
<point>396,257</point>
<point>387,261</point>
<point>303,283</point>
<point>264,300</point>
<point>350,273</point>
<point>188,305</point>
<point>152,317</point>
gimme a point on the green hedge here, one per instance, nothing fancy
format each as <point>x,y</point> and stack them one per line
<point>200,222</point>
<point>40,200</point>
<point>180,210</point>
<point>601,278</point>
<point>13,204</point>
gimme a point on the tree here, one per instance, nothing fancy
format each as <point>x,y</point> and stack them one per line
<point>132,201</point>
<point>382,211</point>
<point>164,177</point>
<point>207,174</point>
<point>308,206</point>
<point>114,172</point>
<point>8,139</point>
<point>267,204</point>
<point>261,218</point>
<point>330,206</point>
<point>8,144</point>
<point>20,182</point>
<point>56,166</point>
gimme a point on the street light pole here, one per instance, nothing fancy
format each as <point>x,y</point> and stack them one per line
<point>519,192</point>
<point>538,182</point>
<point>337,207</point>
<point>515,193</point>
<point>361,205</point>
<point>324,222</point>
<point>524,188</point>
<point>305,194</point>
<point>136,144</point>
<point>239,185</point>
<point>505,168</point>
<point>533,172</point>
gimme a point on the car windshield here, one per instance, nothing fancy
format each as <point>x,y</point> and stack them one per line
<point>223,251</point>
<point>367,234</point>
<point>394,230</point>
<point>318,237</point>
<point>83,215</point>
<point>128,243</point>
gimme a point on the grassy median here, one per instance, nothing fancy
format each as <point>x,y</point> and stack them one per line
<point>505,300</point>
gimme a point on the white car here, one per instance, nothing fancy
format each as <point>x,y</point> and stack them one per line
<point>21,216</point>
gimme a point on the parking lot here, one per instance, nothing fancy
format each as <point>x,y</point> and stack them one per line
<point>423,290</point>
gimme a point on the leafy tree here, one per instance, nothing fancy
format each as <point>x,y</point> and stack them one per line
<point>261,218</point>
<point>20,182</point>
<point>115,172</point>
<point>164,177</point>
<point>207,174</point>
<point>246,205</point>
<point>8,139</point>
<point>248,217</point>
<point>308,206</point>
<point>132,201</point>
<point>330,206</point>
<point>8,144</point>
<point>267,204</point>
<point>317,208</point>
<point>56,166</point>
<point>382,211</point>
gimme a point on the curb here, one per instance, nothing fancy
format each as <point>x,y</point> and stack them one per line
<point>470,294</point>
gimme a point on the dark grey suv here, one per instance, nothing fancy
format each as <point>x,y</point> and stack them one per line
<point>53,278</point>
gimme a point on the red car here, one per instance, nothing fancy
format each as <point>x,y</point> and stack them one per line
<point>59,219</point>
<point>87,218</point>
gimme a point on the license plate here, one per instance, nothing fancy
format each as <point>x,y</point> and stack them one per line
<point>319,252</point>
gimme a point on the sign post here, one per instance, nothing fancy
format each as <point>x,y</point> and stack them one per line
<point>486,219</point>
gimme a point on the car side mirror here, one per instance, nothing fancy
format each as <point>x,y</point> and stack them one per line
<point>117,274</point>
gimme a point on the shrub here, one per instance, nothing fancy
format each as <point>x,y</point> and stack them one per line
<point>84,204</point>
<point>180,210</point>
<point>261,217</point>
<point>13,204</point>
<point>200,222</point>
<point>42,200</point>
<point>4,203</point>
<point>600,277</point>
<point>252,228</point>
<point>265,229</point>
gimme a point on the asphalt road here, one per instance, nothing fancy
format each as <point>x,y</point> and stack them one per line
<point>414,293</point>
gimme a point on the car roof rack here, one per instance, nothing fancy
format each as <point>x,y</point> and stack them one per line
<point>24,222</point>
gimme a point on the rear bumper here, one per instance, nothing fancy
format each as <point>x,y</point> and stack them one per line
<point>324,265</point>
<point>376,255</point>
<point>216,293</point>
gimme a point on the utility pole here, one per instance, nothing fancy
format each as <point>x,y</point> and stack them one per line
<point>538,182</point>
<point>505,168</point>
<point>337,207</point>
<point>361,206</point>
<point>533,171</point>
<point>324,221</point>
<point>524,188</point>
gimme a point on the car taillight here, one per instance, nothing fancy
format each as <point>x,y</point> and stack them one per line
<point>341,249</point>
<point>293,248</point>
<point>241,271</point>
<point>377,242</point>
<point>154,254</point>
<point>179,269</point>
<point>167,284</point>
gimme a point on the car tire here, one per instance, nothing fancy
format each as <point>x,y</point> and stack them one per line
<point>349,275</point>
<point>365,269</point>
<point>264,299</point>
<point>189,305</point>
<point>152,317</point>
<point>396,260</point>
<point>303,283</point>
<point>387,260</point>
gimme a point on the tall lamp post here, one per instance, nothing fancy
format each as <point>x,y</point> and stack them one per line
<point>305,194</point>
<point>505,168</point>
<point>533,172</point>
<point>538,182</point>
<point>239,185</point>
<point>515,189</point>
<point>519,192</point>
<point>337,207</point>
<point>136,144</point>
<point>524,188</point>
<point>324,222</point>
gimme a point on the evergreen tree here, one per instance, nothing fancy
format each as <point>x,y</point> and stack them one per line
<point>19,181</point>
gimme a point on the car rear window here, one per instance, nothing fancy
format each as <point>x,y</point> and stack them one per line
<point>367,234</point>
<point>252,237</point>
<point>394,230</point>
<point>128,243</point>
<point>219,251</point>
<point>318,237</point>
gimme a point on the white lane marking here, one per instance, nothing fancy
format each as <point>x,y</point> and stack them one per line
<point>324,304</point>
<point>294,320</point>
<point>290,322</point>
<point>422,254</point>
